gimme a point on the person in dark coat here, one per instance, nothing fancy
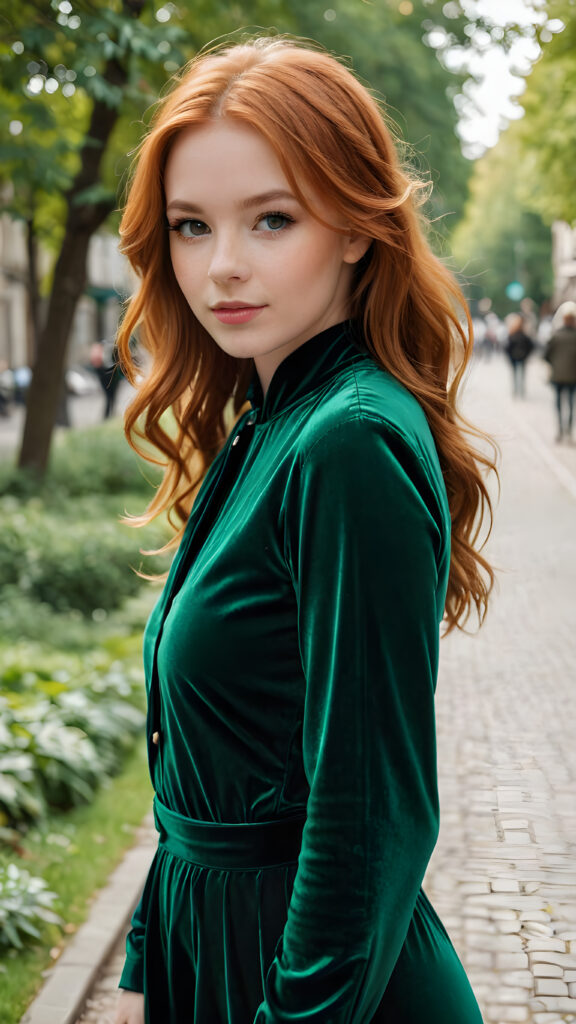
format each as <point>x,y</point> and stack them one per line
<point>104,361</point>
<point>519,346</point>
<point>560,352</point>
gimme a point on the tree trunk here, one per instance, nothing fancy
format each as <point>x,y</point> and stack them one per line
<point>33,291</point>
<point>83,219</point>
<point>45,392</point>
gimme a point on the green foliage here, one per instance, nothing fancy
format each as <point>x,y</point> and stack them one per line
<point>117,632</point>
<point>65,721</point>
<point>546,133</point>
<point>527,180</point>
<point>68,721</point>
<point>74,852</point>
<point>391,52</point>
<point>61,732</point>
<point>23,619</point>
<point>26,905</point>
<point>63,546</point>
<point>20,796</point>
<point>499,239</point>
<point>82,567</point>
<point>73,53</point>
<point>54,67</point>
<point>93,461</point>
<point>98,460</point>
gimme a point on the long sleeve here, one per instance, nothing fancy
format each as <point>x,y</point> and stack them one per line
<point>367,538</point>
<point>132,976</point>
<point>133,971</point>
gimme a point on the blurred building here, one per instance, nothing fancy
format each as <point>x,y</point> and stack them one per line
<point>97,312</point>
<point>15,318</point>
<point>564,261</point>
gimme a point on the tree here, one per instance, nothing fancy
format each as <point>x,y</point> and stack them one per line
<point>103,48</point>
<point>499,239</point>
<point>526,181</point>
<point>392,52</point>
<point>546,132</point>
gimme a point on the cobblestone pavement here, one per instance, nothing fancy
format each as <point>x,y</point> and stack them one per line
<point>503,876</point>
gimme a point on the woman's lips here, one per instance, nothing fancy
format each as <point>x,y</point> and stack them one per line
<point>236,314</point>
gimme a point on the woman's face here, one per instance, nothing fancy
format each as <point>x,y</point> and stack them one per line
<point>257,270</point>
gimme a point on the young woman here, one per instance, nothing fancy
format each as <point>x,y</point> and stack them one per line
<point>292,657</point>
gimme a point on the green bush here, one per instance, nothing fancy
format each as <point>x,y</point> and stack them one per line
<point>119,631</point>
<point>79,565</point>
<point>67,583</point>
<point>18,483</point>
<point>21,800</point>
<point>28,672</point>
<point>22,618</point>
<point>13,543</point>
<point>99,460</point>
<point>61,734</point>
<point>94,460</point>
<point>62,544</point>
<point>82,569</point>
<point>25,906</point>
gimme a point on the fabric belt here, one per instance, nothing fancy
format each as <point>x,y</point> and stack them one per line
<point>230,847</point>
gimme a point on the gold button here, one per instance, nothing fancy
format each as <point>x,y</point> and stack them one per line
<point>155,738</point>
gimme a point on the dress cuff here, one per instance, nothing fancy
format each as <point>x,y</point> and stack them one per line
<point>132,976</point>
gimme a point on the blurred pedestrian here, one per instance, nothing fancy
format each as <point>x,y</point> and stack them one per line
<point>492,325</point>
<point>518,347</point>
<point>6,388</point>
<point>104,362</point>
<point>560,352</point>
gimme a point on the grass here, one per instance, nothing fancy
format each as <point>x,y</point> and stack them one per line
<point>75,856</point>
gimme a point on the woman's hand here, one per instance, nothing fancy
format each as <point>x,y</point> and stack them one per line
<point>130,1009</point>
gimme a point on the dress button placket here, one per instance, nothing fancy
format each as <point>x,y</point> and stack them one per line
<point>184,568</point>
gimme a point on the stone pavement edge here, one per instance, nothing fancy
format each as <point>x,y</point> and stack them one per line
<point>63,996</point>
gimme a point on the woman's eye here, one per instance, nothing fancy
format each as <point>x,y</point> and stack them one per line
<point>191,228</point>
<point>274,222</point>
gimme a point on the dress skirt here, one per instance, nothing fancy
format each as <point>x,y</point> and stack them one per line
<point>212,934</point>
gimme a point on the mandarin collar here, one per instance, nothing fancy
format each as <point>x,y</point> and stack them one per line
<point>311,364</point>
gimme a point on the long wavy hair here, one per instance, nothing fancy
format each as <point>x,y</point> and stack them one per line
<point>331,137</point>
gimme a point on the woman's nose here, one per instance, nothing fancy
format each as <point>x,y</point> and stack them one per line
<point>228,260</point>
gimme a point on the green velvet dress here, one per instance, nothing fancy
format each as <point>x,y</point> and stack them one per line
<point>291,664</point>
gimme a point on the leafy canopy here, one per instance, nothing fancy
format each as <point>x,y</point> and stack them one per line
<point>55,61</point>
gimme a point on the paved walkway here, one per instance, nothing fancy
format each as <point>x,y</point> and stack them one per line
<point>503,876</point>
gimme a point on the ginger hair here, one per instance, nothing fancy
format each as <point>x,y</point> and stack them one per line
<point>332,138</point>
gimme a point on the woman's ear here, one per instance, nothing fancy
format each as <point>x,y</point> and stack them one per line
<point>356,248</point>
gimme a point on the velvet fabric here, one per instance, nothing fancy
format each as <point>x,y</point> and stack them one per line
<point>291,664</point>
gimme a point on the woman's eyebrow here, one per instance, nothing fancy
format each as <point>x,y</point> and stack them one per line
<point>267,197</point>
<point>183,205</point>
<point>264,197</point>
